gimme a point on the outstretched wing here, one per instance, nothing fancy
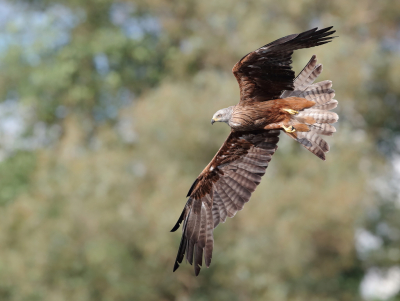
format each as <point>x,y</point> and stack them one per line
<point>264,73</point>
<point>222,189</point>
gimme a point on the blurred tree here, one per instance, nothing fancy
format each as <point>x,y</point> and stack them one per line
<point>127,89</point>
<point>86,58</point>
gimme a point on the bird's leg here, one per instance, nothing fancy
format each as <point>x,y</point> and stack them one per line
<point>280,125</point>
<point>290,111</point>
<point>289,129</point>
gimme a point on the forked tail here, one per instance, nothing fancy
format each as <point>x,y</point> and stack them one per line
<point>316,120</point>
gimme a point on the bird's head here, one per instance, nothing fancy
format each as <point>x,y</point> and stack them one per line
<point>223,115</point>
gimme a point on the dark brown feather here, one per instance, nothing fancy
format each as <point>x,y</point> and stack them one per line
<point>201,243</point>
<point>232,193</point>
<point>193,225</point>
<point>230,205</point>
<point>221,208</point>
<point>264,73</point>
<point>254,169</point>
<point>253,177</point>
<point>182,245</point>
<point>180,219</point>
<point>239,190</point>
<point>210,238</point>
<point>190,249</point>
<point>198,259</point>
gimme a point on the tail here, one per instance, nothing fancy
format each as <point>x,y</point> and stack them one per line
<point>315,119</point>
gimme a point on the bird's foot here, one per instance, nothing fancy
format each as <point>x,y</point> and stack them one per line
<point>289,129</point>
<point>291,112</point>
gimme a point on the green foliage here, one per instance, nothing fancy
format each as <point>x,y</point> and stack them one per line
<point>65,73</point>
<point>88,216</point>
<point>15,175</point>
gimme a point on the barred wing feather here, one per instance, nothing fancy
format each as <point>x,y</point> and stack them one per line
<point>221,190</point>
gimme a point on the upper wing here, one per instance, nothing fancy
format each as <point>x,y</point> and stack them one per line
<point>222,189</point>
<point>264,73</point>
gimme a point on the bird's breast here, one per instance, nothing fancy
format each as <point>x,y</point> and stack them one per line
<point>243,119</point>
<point>256,116</point>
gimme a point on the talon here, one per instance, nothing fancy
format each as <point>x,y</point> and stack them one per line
<point>289,129</point>
<point>291,112</point>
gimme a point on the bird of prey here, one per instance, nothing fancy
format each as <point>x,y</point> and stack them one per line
<point>271,100</point>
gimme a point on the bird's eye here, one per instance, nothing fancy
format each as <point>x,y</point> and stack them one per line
<point>219,115</point>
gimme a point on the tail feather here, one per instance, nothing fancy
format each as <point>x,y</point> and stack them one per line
<point>315,90</point>
<point>311,145</point>
<point>305,78</point>
<point>316,139</point>
<point>317,118</point>
<point>323,128</point>
<point>330,105</point>
<point>321,97</point>
<point>311,78</point>
<point>304,75</point>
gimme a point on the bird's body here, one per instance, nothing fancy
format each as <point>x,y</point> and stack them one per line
<point>271,100</point>
<point>267,114</point>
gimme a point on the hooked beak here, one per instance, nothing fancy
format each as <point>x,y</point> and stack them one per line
<point>212,121</point>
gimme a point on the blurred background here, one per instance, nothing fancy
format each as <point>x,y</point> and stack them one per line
<point>105,123</point>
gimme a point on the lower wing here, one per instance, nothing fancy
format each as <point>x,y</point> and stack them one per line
<point>221,190</point>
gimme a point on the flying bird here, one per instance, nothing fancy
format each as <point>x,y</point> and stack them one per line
<point>271,100</point>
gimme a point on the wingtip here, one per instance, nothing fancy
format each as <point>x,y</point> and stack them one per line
<point>176,227</point>
<point>207,260</point>
<point>325,29</point>
<point>325,32</point>
<point>180,219</point>
<point>192,188</point>
<point>176,266</point>
<point>197,269</point>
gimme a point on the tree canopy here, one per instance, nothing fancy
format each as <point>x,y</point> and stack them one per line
<point>105,124</point>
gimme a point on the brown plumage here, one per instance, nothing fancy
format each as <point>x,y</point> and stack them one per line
<point>271,99</point>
